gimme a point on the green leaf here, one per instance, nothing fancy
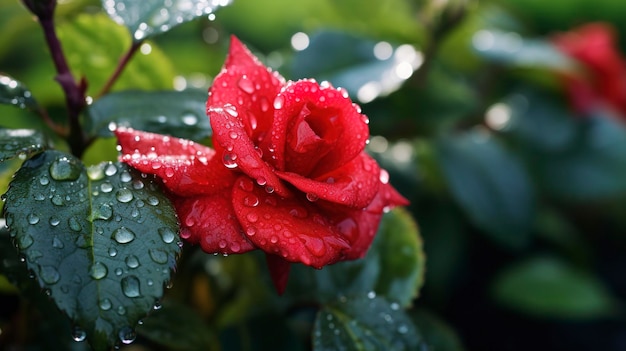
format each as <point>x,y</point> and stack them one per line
<point>393,267</point>
<point>548,287</point>
<point>438,335</point>
<point>21,143</point>
<point>366,69</point>
<point>100,240</point>
<point>180,113</point>
<point>364,323</point>
<point>177,327</point>
<point>511,49</point>
<point>489,184</point>
<point>151,17</point>
<point>13,92</point>
<point>95,44</point>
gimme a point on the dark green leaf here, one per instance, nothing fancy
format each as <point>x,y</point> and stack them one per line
<point>549,287</point>
<point>364,323</point>
<point>511,49</point>
<point>151,17</point>
<point>437,334</point>
<point>20,143</point>
<point>366,69</point>
<point>393,267</point>
<point>13,92</point>
<point>179,113</point>
<point>489,184</point>
<point>101,240</point>
<point>177,327</point>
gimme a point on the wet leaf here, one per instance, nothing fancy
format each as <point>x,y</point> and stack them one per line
<point>178,113</point>
<point>393,267</point>
<point>100,240</point>
<point>20,143</point>
<point>364,323</point>
<point>489,184</point>
<point>548,287</point>
<point>151,17</point>
<point>13,92</point>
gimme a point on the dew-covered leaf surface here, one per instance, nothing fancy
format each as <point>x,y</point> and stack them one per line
<point>101,241</point>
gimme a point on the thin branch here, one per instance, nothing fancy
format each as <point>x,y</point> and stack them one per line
<point>122,63</point>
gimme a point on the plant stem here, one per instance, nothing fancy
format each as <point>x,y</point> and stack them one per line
<point>74,91</point>
<point>120,67</point>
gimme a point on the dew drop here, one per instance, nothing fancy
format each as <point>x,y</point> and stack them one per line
<point>261,181</point>
<point>274,239</point>
<point>121,310</point>
<point>123,235</point>
<point>124,195</point>
<point>153,200</point>
<point>78,334</point>
<point>371,295</point>
<point>98,270</point>
<point>125,177</point>
<point>106,187</point>
<point>311,197</point>
<point>251,231</point>
<point>65,169</point>
<point>57,243</point>
<point>158,256</point>
<point>44,180</point>
<point>246,85</point>
<point>189,119</point>
<point>74,225</point>
<point>130,286</point>
<point>132,261</point>
<point>229,160</point>
<point>112,252</point>
<point>57,200</point>
<point>103,212</point>
<point>127,335</point>
<point>54,221</point>
<point>252,217</point>
<point>33,218</point>
<point>279,102</point>
<point>315,246</point>
<point>105,304</point>
<point>251,200</point>
<point>384,176</point>
<point>49,274</point>
<point>167,234</point>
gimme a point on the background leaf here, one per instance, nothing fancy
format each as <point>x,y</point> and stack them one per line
<point>13,92</point>
<point>151,17</point>
<point>178,113</point>
<point>489,184</point>
<point>549,287</point>
<point>101,241</point>
<point>364,323</point>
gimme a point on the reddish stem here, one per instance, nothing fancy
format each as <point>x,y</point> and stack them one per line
<point>120,67</point>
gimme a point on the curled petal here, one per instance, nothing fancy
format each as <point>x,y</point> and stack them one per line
<point>239,151</point>
<point>185,167</point>
<point>353,185</point>
<point>247,84</point>
<point>279,271</point>
<point>288,227</point>
<point>211,222</point>
<point>316,128</point>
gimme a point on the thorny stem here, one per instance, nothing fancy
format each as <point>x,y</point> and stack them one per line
<point>74,91</point>
<point>120,67</point>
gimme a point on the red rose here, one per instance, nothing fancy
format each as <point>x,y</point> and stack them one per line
<point>287,173</point>
<point>604,81</point>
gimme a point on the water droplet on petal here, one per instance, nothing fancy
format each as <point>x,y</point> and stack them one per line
<point>279,102</point>
<point>252,217</point>
<point>251,231</point>
<point>316,246</point>
<point>311,197</point>
<point>384,176</point>
<point>251,200</point>
<point>130,286</point>
<point>229,160</point>
<point>123,235</point>
<point>246,85</point>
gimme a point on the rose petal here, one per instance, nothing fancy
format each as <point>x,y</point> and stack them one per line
<point>247,84</point>
<point>239,151</point>
<point>185,167</point>
<point>353,184</point>
<point>279,271</point>
<point>291,228</point>
<point>330,114</point>
<point>359,227</point>
<point>211,222</point>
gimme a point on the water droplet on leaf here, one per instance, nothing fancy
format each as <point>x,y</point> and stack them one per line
<point>65,169</point>
<point>130,286</point>
<point>124,195</point>
<point>98,270</point>
<point>123,235</point>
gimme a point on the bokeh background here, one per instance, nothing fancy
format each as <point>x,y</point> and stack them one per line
<point>518,191</point>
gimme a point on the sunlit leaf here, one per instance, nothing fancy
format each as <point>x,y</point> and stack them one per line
<point>364,323</point>
<point>489,184</point>
<point>151,17</point>
<point>178,113</point>
<point>100,240</point>
<point>549,287</point>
